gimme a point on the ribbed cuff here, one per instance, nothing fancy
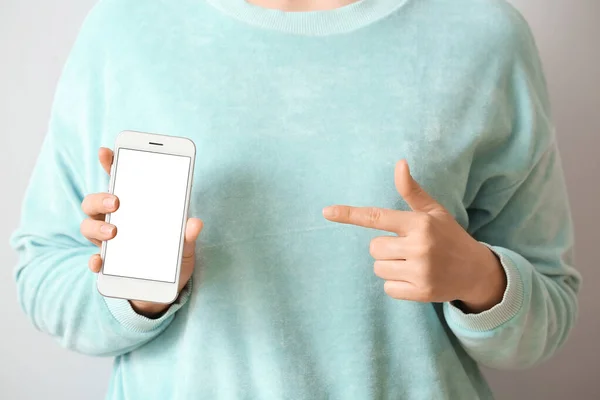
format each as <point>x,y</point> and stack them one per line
<point>511,303</point>
<point>123,312</point>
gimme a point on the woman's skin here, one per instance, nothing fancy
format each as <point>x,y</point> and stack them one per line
<point>301,5</point>
<point>432,258</point>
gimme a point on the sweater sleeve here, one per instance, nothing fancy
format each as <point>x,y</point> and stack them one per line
<point>55,287</point>
<point>521,212</point>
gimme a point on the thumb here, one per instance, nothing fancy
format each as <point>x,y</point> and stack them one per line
<point>106,158</point>
<point>414,195</point>
<point>192,230</point>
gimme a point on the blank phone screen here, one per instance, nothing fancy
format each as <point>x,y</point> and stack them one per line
<point>152,191</point>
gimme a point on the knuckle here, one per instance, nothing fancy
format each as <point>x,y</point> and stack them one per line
<point>84,204</point>
<point>428,248</point>
<point>426,222</point>
<point>397,247</point>
<point>428,291</point>
<point>83,227</point>
<point>424,275</point>
<point>391,290</point>
<point>189,256</point>
<point>378,268</point>
<point>374,246</point>
<point>423,250</point>
<point>88,204</point>
<point>388,288</point>
<point>416,189</point>
<point>373,215</point>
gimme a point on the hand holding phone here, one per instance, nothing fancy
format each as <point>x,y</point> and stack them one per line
<point>98,230</point>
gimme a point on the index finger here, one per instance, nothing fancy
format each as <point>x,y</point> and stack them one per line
<point>106,158</point>
<point>383,219</point>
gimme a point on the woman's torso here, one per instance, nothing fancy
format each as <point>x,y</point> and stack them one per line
<point>285,303</point>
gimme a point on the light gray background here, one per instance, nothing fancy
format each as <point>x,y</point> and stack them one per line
<point>35,38</point>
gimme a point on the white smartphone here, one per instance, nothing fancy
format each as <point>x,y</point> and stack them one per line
<point>151,175</point>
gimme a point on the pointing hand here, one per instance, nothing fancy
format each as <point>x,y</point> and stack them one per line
<point>432,258</point>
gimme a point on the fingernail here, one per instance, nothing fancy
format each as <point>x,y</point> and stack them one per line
<point>109,203</point>
<point>330,212</point>
<point>106,229</point>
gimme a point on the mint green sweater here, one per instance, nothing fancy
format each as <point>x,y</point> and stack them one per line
<point>292,112</point>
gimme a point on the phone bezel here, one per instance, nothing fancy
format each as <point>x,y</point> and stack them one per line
<point>135,288</point>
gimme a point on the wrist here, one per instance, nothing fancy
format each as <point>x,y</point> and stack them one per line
<point>148,309</point>
<point>489,282</point>
<point>154,310</point>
